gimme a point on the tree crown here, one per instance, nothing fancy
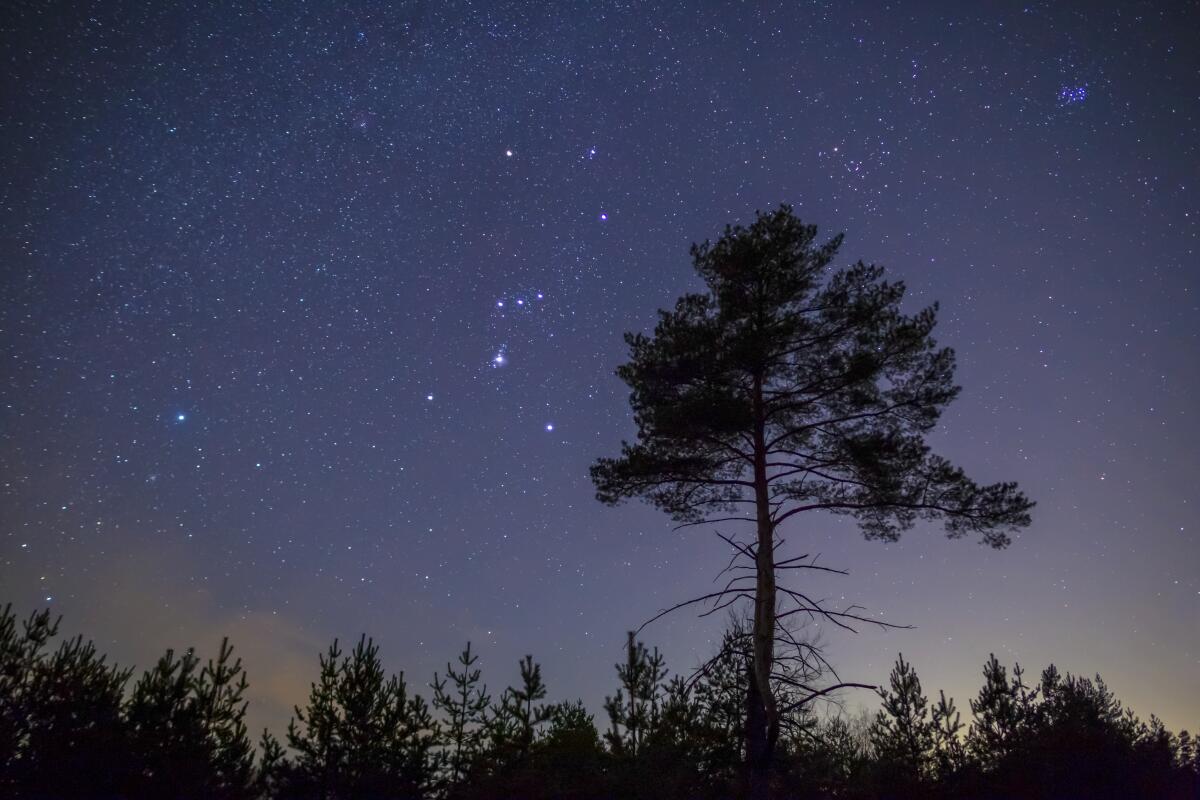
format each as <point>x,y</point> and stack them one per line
<point>809,380</point>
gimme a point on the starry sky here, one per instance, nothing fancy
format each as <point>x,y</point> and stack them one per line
<point>309,315</point>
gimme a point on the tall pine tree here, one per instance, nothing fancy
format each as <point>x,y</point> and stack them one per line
<point>788,388</point>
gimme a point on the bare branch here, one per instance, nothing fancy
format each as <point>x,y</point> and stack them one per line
<point>684,604</point>
<point>821,693</point>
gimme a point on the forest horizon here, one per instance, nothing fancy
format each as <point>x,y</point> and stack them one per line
<point>73,724</point>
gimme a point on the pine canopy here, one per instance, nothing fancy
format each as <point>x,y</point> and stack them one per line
<point>814,373</point>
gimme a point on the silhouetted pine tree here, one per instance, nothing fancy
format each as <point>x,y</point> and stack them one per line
<point>187,729</point>
<point>1080,742</point>
<point>514,721</point>
<point>721,694</point>
<point>829,761</point>
<point>633,710</point>
<point>271,766</point>
<point>999,713</point>
<point>569,762</point>
<point>788,388</point>
<point>679,720</point>
<point>463,700</point>
<point>1189,764</point>
<point>675,748</point>
<point>361,736</point>
<point>313,734</point>
<point>62,734</point>
<point>903,735</point>
<point>949,752</point>
<point>1187,757</point>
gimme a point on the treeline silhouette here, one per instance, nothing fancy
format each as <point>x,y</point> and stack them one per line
<point>72,725</point>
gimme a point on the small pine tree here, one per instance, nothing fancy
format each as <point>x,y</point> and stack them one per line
<point>361,735</point>
<point>313,732</point>
<point>721,693</point>
<point>1185,751</point>
<point>271,766</point>
<point>949,754</point>
<point>187,728</point>
<point>902,734</point>
<point>633,710</point>
<point>411,736</point>
<point>61,728</point>
<point>1050,682</point>
<point>679,717</point>
<point>515,720</point>
<point>464,701</point>
<point>568,760</point>
<point>219,695</point>
<point>570,729</point>
<point>828,760</point>
<point>994,734</point>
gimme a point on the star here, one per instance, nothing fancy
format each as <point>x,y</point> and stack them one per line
<point>508,153</point>
<point>549,426</point>
<point>603,216</point>
<point>180,417</point>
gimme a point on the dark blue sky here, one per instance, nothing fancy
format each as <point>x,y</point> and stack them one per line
<point>309,317</point>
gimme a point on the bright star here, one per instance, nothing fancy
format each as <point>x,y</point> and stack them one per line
<point>603,217</point>
<point>549,426</point>
<point>429,397</point>
<point>180,417</point>
<point>508,153</point>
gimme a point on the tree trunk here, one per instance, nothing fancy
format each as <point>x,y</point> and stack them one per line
<point>762,718</point>
<point>757,779</point>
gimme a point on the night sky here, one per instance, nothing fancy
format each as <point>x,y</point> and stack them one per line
<point>309,317</point>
